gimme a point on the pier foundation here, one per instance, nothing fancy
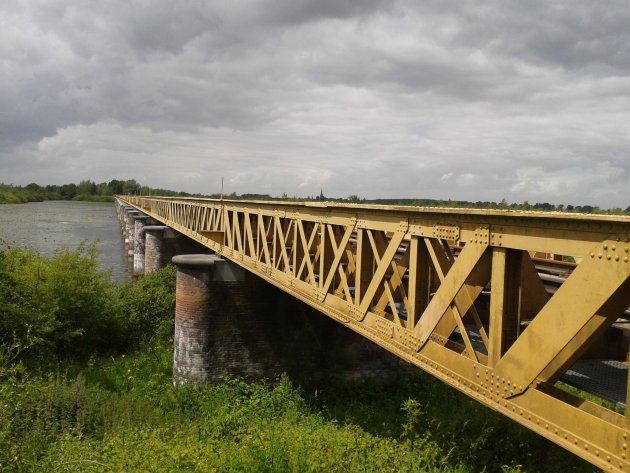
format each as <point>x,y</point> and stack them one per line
<point>194,308</point>
<point>153,248</point>
<point>216,331</point>
<point>139,244</point>
<point>130,230</point>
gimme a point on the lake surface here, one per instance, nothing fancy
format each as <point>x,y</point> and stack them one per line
<point>47,226</point>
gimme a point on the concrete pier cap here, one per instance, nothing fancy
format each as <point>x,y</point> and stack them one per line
<point>223,270</point>
<point>155,228</point>
<point>199,261</point>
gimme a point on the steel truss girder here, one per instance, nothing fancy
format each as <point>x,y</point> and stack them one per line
<point>389,274</point>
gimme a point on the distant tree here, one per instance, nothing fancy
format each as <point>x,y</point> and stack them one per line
<point>103,189</point>
<point>546,206</point>
<point>68,191</point>
<point>34,187</point>
<point>86,188</point>
<point>116,186</point>
<point>130,187</point>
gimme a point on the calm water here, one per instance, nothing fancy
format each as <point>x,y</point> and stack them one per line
<point>46,226</point>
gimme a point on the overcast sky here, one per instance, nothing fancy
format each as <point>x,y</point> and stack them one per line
<point>437,99</point>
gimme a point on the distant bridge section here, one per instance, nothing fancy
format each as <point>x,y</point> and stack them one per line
<point>462,294</point>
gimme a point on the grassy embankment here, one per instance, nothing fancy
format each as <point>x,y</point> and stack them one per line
<point>85,385</point>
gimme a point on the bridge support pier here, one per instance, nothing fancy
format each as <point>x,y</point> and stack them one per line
<point>130,230</point>
<point>153,248</point>
<point>139,244</point>
<point>217,332</point>
<point>193,309</point>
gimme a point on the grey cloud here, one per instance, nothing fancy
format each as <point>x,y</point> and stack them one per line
<point>296,12</point>
<point>475,100</point>
<point>572,35</point>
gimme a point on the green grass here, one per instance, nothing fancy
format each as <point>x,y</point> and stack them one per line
<point>122,413</point>
<point>86,385</point>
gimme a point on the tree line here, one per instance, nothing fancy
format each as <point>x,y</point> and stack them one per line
<point>103,192</point>
<point>84,190</point>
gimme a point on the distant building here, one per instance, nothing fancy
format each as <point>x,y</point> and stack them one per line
<point>321,195</point>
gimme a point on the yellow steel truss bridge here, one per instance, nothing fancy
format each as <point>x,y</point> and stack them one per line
<point>461,294</point>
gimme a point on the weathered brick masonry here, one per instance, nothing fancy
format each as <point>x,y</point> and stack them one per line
<point>193,310</point>
<point>153,247</point>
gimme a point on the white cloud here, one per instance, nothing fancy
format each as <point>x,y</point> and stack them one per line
<point>477,101</point>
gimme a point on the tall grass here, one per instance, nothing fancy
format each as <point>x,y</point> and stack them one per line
<point>93,408</point>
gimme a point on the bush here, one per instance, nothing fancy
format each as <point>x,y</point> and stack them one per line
<point>148,307</point>
<point>122,412</point>
<point>64,306</point>
<point>61,305</point>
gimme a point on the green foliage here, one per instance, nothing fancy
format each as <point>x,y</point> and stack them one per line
<point>93,418</point>
<point>148,305</point>
<point>32,193</point>
<point>82,411</point>
<point>61,305</point>
<point>421,412</point>
<point>84,191</point>
<point>64,306</point>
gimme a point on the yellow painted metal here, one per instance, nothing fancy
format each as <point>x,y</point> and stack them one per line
<point>411,280</point>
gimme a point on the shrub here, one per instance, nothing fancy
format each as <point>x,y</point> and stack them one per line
<point>148,306</point>
<point>61,305</point>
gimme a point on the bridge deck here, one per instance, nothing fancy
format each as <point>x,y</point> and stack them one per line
<point>416,280</point>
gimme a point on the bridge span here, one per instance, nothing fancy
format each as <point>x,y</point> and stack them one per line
<point>508,307</point>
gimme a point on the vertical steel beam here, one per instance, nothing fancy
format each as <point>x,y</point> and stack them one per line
<point>419,281</point>
<point>504,302</point>
<point>365,266</point>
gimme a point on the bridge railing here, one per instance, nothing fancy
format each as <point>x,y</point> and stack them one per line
<point>458,293</point>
